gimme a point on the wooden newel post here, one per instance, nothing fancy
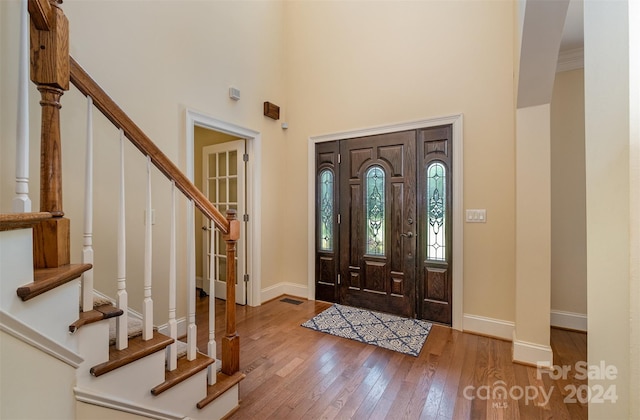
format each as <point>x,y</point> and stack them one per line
<point>231,341</point>
<point>50,72</point>
<point>50,151</point>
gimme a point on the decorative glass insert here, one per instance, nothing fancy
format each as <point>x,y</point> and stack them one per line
<point>436,211</point>
<point>375,206</point>
<point>326,210</point>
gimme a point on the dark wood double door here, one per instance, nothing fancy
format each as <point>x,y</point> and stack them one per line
<point>383,223</point>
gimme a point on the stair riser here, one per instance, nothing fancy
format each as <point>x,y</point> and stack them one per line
<point>93,344</point>
<point>174,397</point>
<point>223,404</point>
<point>47,313</point>
<point>133,381</point>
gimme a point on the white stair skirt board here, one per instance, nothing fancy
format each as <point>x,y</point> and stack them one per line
<point>98,398</point>
<point>488,326</point>
<point>284,288</point>
<point>24,333</point>
<point>167,404</point>
<point>531,353</point>
<point>569,320</point>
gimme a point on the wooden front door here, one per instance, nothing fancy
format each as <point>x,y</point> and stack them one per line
<point>384,225</point>
<point>378,221</point>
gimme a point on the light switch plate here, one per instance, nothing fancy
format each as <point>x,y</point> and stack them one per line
<point>476,216</point>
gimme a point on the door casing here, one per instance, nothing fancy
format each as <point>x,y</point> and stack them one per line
<point>458,214</point>
<point>254,191</point>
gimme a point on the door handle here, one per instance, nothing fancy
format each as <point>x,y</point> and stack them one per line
<point>407,235</point>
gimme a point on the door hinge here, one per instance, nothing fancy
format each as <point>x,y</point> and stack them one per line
<point>339,158</point>
<point>246,278</point>
<point>338,278</point>
<point>339,218</point>
<point>245,157</point>
<point>245,218</point>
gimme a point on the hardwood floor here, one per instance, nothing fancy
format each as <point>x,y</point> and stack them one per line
<point>296,373</point>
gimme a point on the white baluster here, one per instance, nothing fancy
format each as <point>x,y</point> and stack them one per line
<point>172,350</point>
<point>87,246</point>
<point>211,346</point>
<point>147,306</point>
<point>22,202</point>
<point>192,333</point>
<point>122,298</point>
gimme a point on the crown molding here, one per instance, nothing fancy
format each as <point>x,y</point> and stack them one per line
<point>570,60</point>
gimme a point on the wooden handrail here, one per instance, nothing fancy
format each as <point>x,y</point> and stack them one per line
<point>85,84</point>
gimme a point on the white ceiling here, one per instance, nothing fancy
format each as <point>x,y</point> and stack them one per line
<point>573,34</point>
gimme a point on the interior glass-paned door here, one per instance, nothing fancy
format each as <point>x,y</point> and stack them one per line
<point>224,184</point>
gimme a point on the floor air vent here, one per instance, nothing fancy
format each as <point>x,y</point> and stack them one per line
<point>291,301</point>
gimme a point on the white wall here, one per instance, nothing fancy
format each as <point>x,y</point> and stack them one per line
<point>155,60</point>
<point>386,62</point>
<point>21,368</point>
<point>353,65</point>
<point>613,330</point>
<point>568,213</point>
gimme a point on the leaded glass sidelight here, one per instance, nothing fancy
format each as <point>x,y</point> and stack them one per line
<point>436,211</point>
<point>375,214</point>
<point>326,210</point>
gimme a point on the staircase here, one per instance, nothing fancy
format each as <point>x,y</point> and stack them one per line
<point>63,354</point>
<point>42,313</point>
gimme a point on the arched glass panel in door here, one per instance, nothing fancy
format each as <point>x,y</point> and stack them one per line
<point>436,211</point>
<point>375,211</point>
<point>326,210</point>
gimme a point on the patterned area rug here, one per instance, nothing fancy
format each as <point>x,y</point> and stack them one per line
<point>383,330</point>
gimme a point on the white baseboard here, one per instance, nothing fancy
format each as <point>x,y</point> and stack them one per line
<point>102,400</point>
<point>182,327</point>
<point>570,320</point>
<point>283,288</point>
<point>488,326</point>
<point>531,353</point>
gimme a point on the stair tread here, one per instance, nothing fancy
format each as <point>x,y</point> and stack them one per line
<point>10,221</point>
<point>222,385</point>
<point>186,369</point>
<point>46,279</point>
<point>134,328</point>
<point>137,349</point>
<point>97,314</point>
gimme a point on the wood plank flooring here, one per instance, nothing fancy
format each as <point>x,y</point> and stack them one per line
<point>296,373</point>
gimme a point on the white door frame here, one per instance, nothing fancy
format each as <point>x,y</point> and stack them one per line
<point>458,216</point>
<point>254,192</point>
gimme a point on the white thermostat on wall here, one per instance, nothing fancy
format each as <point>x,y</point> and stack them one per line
<point>234,93</point>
